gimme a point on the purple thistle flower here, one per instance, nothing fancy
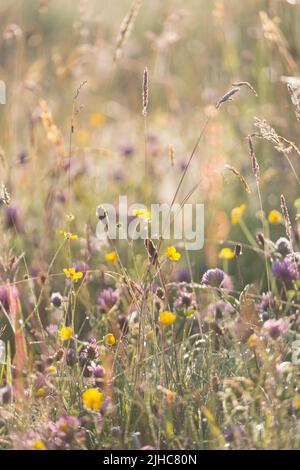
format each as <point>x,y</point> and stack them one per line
<point>285,270</point>
<point>92,350</point>
<point>213,277</point>
<point>107,299</point>
<point>275,328</point>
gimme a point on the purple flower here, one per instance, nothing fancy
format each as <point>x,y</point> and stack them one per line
<point>275,328</point>
<point>182,275</point>
<point>185,299</point>
<point>65,433</point>
<point>213,277</point>
<point>285,270</point>
<point>92,350</point>
<point>12,218</point>
<point>267,302</point>
<point>71,357</point>
<point>81,266</point>
<point>107,299</point>
<point>98,371</point>
<point>5,394</point>
<point>127,148</point>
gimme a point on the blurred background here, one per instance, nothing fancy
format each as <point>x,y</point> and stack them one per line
<point>194,50</point>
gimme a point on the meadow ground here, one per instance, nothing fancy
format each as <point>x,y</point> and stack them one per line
<point>144,344</point>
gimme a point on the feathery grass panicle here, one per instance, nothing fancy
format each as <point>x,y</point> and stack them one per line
<point>286,217</point>
<point>145,91</point>
<point>171,155</point>
<point>274,35</point>
<point>295,100</point>
<point>126,28</point>
<point>241,177</point>
<point>268,133</point>
<point>254,162</point>
<point>246,84</point>
<point>227,97</point>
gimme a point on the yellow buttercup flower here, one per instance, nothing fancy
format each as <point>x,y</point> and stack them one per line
<point>142,214</point>
<point>167,318</point>
<point>68,235</point>
<point>92,398</point>
<point>111,257</point>
<point>97,119</point>
<point>66,333</point>
<point>51,370</point>
<point>39,445</point>
<point>297,402</point>
<point>275,217</point>
<point>253,340</point>
<point>110,339</point>
<point>237,213</point>
<point>82,137</point>
<point>72,274</point>
<point>70,217</point>
<point>226,253</point>
<point>173,254</point>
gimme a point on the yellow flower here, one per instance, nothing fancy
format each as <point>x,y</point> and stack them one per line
<point>110,339</point>
<point>142,214</point>
<point>72,274</point>
<point>68,235</point>
<point>82,137</point>
<point>297,203</point>
<point>39,445</point>
<point>111,257</point>
<point>226,253</point>
<point>92,398</point>
<point>237,213</point>
<point>70,217</point>
<point>253,340</point>
<point>40,392</point>
<point>297,402</point>
<point>66,333</point>
<point>275,217</point>
<point>167,318</point>
<point>97,119</point>
<point>51,370</point>
<point>171,396</point>
<point>173,254</point>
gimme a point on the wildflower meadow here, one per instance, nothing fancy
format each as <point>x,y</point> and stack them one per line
<point>150,225</point>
